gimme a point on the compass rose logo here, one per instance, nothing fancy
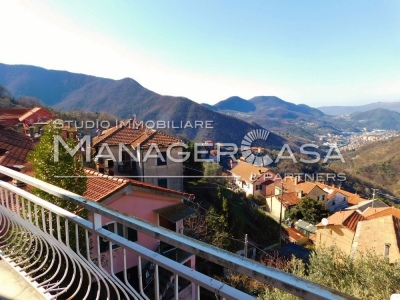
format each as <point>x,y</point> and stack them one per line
<point>251,157</point>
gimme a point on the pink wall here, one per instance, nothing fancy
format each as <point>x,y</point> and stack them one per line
<point>41,114</point>
<point>141,205</point>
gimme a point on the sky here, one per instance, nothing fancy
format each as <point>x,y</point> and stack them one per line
<point>313,52</point>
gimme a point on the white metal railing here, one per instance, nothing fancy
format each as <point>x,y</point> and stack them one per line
<point>52,249</point>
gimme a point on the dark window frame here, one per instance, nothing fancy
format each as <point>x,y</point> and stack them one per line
<point>160,161</point>
<point>129,233</point>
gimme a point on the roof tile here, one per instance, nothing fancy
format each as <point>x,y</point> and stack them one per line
<point>347,218</point>
<point>247,171</point>
<point>134,133</point>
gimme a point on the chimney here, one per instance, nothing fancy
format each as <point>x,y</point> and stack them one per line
<point>98,132</point>
<point>296,180</point>
<point>259,172</point>
<point>110,167</point>
<point>299,194</point>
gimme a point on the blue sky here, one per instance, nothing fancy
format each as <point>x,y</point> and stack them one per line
<point>313,52</point>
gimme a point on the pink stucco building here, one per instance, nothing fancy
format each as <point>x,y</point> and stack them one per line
<point>154,204</point>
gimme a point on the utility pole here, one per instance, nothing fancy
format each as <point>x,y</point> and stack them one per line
<point>246,243</point>
<point>280,217</point>
<point>373,195</point>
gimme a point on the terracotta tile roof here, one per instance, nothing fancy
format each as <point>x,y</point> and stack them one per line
<point>11,113</point>
<point>245,171</point>
<point>158,138</point>
<point>101,186</point>
<point>289,199</point>
<point>133,133</point>
<point>372,210</point>
<point>14,146</point>
<point>290,184</point>
<point>10,116</point>
<point>347,218</point>
<point>294,234</point>
<point>29,113</point>
<point>124,133</point>
<point>14,116</point>
<point>374,213</point>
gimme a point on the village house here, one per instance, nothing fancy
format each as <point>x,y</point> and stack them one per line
<point>154,204</point>
<point>253,179</point>
<point>25,119</point>
<point>148,155</point>
<point>280,203</point>
<point>375,230</point>
<point>339,199</point>
<point>339,231</point>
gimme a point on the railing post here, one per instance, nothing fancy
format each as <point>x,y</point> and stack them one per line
<point>97,226</point>
<point>96,221</point>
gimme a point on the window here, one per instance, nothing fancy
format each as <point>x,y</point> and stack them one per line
<point>163,182</point>
<point>162,158</point>
<point>323,197</point>
<point>386,251</point>
<point>258,187</point>
<point>333,202</point>
<point>126,232</point>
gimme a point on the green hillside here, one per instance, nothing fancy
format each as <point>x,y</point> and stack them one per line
<point>376,163</point>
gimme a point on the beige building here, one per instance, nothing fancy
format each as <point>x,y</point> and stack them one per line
<point>253,179</point>
<point>376,230</point>
<point>339,231</point>
<point>380,235</point>
<point>276,203</point>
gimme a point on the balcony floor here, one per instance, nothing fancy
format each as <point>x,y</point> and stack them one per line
<point>13,286</point>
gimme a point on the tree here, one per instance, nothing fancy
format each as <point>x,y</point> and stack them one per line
<point>309,210</point>
<point>192,167</point>
<point>212,172</point>
<point>67,173</point>
<point>369,276</point>
<point>4,93</point>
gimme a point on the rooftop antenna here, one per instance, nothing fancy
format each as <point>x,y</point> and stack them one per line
<point>373,196</point>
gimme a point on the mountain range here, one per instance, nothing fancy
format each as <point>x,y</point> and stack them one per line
<point>126,98</point>
<point>231,118</point>
<point>345,110</point>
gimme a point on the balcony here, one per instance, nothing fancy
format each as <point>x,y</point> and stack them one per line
<point>54,251</point>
